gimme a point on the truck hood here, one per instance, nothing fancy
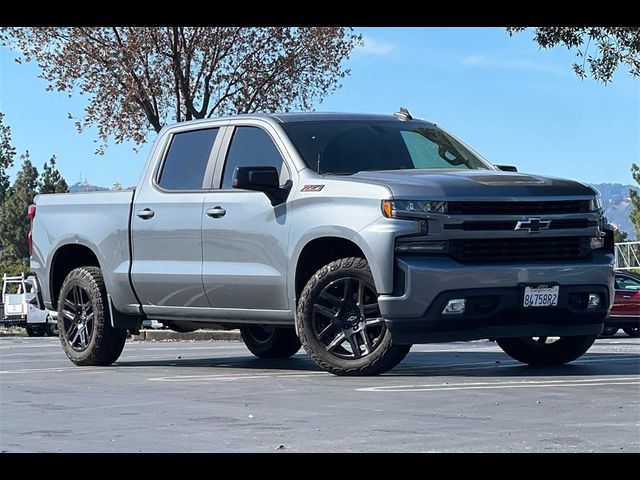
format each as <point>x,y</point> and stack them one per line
<point>470,184</point>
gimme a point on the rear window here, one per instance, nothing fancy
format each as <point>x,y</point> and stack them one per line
<point>187,158</point>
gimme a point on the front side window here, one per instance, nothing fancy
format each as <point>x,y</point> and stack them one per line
<point>250,147</point>
<point>344,147</point>
<point>187,158</point>
<point>627,283</point>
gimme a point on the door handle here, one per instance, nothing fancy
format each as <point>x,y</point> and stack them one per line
<point>145,214</point>
<point>216,212</point>
<point>626,296</point>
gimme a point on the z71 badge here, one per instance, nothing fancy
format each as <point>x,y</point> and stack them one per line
<point>312,188</point>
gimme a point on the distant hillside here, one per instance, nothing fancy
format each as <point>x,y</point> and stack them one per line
<point>617,204</point>
<point>86,187</point>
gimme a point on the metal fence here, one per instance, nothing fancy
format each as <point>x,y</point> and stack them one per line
<point>627,255</point>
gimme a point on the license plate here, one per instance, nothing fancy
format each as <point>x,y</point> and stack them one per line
<point>542,296</point>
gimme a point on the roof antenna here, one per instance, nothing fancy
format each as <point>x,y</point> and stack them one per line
<point>403,114</point>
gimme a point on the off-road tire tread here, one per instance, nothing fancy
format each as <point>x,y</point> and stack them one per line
<point>109,342</point>
<point>564,350</point>
<point>387,358</point>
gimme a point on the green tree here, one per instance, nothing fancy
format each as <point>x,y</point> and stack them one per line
<point>7,152</point>
<point>14,223</point>
<point>602,49</point>
<point>620,236</point>
<point>635,200</point>
<point>117,186</point>
<point>51,181</point>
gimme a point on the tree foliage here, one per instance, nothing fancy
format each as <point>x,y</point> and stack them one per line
<point>14,223</point>
<point>7,152</point>
<point>139,78</point>
<point>635,200</point>
<point>620,236</point>
<point>601,49</point>
<point>51,181</point>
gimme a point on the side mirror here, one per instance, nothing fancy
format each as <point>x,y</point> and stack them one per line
<point>262,179</point>
<point>507,168</point>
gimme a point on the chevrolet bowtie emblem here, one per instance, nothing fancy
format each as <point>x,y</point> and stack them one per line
<point>533,225</point>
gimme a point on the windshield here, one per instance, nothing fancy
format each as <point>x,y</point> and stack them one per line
<point>344,147</point>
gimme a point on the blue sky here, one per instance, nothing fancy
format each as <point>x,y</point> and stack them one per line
<point>509,100</point>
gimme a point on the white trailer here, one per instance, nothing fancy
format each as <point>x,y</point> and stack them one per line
<point>22,306</point>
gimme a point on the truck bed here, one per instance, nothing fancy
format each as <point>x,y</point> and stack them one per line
<point>97,220</point>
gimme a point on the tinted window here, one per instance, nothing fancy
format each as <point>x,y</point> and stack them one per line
<point>187,159</point>
<point>250,147</point>
<point>350,146</point>
<point>627,283</point>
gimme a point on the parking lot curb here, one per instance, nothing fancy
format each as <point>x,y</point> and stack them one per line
<point>202,335</point>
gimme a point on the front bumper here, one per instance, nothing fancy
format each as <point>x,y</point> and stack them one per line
<point>427,283</point>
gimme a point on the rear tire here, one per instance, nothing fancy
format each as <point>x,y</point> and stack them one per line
<point>633,332</point>
<point>538,353</point>
<point>52,329</point>
<point>178,327</point>
<point>36,331</point>
<point>270,342</point>
<point>340,323</point>
<point>84,322</point>
<point>609,331</point>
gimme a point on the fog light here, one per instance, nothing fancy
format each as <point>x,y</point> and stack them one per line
<point>596,243</point>
<point>454,306</point>
<point>594,301</point>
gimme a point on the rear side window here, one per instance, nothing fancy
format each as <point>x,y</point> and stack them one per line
<point>186,161</point>
<point>250,147</point>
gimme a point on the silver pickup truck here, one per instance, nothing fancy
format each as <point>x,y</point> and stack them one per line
<point>353,235</point>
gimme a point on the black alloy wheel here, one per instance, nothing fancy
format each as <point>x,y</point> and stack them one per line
<point>346,318</point>
<point>78,318</point>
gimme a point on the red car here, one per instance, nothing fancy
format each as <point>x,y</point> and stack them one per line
<point>625,312</point>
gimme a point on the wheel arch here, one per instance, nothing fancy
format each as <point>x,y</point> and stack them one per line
<point>319,251</point>
<point>66,258</point>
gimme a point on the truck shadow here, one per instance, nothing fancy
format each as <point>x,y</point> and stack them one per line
<point>422,364</point>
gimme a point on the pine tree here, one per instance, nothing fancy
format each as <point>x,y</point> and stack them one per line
<point>51,180</point>
<point>7,152</point>
<point>14,223</point>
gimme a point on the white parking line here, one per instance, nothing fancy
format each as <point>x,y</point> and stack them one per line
<point>582,382</point>
<point>228,377</point>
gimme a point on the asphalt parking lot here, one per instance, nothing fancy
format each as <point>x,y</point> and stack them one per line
<point>201,396</point>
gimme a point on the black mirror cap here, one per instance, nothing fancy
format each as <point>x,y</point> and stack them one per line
<point>262,179</point>
<point>507,168</point>
<point>256,178</point>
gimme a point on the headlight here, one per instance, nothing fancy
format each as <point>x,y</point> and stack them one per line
<point>412,208</point>
<point>595,203</point>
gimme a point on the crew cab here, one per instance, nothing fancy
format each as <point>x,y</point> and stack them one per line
<point>354,235</point>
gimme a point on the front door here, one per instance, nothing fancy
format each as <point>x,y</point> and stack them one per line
<point>167,222</point>
<point>245,237</point>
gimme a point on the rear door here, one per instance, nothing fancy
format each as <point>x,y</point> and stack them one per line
<point>244,236</point>
<point>167,223</point>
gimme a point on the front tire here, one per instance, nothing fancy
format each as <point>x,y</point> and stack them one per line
<point>633,332</point>
<point>609,331</point>
<point>340,324</point>
<point>270,342</point>
<point>546,351</point>
<point>84,323</point>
